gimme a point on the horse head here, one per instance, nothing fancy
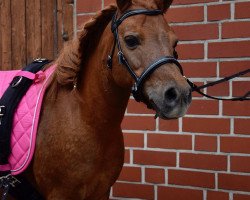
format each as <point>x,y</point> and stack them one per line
<point>147,44</point>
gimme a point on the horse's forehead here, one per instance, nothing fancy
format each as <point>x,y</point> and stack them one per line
<point>148,4</point>
<point>147,24</point>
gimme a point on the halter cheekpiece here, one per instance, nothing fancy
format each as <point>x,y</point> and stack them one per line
<point>139,81</point>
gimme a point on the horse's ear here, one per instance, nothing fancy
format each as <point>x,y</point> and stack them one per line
<point>123,4</point>
<point>164,4</point>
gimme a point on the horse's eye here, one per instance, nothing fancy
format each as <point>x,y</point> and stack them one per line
<point>176,54</point>
<point>131,41</point>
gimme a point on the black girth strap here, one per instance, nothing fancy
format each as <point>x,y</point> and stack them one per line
<point>18,186</point>
<point>8,104</point>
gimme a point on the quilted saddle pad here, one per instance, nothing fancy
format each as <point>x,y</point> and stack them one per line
<point>26,119</point>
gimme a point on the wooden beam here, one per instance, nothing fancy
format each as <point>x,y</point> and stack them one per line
<point>18,33</point>
<point>5,39</point>
<point>33,29</point>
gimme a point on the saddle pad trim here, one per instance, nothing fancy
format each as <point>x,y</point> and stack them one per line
<point>5,167</point>
<point>35,124</point>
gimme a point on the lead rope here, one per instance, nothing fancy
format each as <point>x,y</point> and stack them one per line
<point>198,88</point>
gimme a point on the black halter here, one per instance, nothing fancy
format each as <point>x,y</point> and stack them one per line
<point>139,81</point>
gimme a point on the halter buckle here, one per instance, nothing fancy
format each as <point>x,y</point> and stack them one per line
<point>134,88</point>
<point>109,62</point>
<point>2,112</point>
<point>121,57</point>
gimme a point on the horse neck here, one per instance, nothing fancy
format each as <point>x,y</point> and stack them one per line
<point>102,97</point>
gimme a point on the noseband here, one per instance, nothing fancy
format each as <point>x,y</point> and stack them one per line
<point>139,81</point>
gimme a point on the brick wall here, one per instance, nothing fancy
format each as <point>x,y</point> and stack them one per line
<point>206,154</point>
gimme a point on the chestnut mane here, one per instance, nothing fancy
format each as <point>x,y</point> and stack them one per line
<point>72,59</point>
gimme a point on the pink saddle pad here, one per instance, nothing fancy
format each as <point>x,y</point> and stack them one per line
<point>26,119</point>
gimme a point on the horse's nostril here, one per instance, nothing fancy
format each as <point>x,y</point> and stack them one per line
<point>171,94</point>
<point>188,96</point>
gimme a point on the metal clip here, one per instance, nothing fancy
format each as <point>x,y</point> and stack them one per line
<point>109,62</point>
<point>17,81</point>
<point>120,57</point>
<point>40,60</point>
<point>134,88</point>
<point>9,180</point>
<point>2,112</point>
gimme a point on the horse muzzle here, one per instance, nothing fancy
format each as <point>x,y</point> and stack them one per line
<point>170,100</point>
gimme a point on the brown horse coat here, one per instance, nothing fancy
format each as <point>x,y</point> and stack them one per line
<point>80,148</point>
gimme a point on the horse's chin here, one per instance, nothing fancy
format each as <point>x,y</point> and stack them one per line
<point>170,113</point>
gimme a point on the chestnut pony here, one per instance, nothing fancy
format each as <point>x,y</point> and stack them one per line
<point>80,148</point>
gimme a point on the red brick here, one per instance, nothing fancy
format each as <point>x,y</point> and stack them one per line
<point>187,14</point>
<point>240,164</point>
<point>235,144</point>
<point>215,195</point>
<point>206,125</point>
<point>241,197</point>
<point>132,174</point>
<point>202,32</point>
<point>190,51</point>
<point>234,182</point>
<point>135,107</point>
<point>127,156</point>
<point>236,108</point>
<point>138,123</point>
<point>229,49</point>
<point>181,177</point>
<point>171,193</point>
<point>155,158</point>
<point>240,88</point>
<point>231,67</point>
<point>133,139</point>
<point>133,191</point>
<point>169,125</point>
<point>218,12</point>
<point>192,1</point>
<point>204,107</point>
<point>108,2</point>
<point>236,29</point>
<point>205,143</point>
<point>88,6</point>
<point>170,141</point>
<point>242,126</point>
<point>153,175</point>
<point>221,89</point>
<point>81,20</point>
<point>242,10</point>
<point>199,69</point>
<point>203,161</point>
